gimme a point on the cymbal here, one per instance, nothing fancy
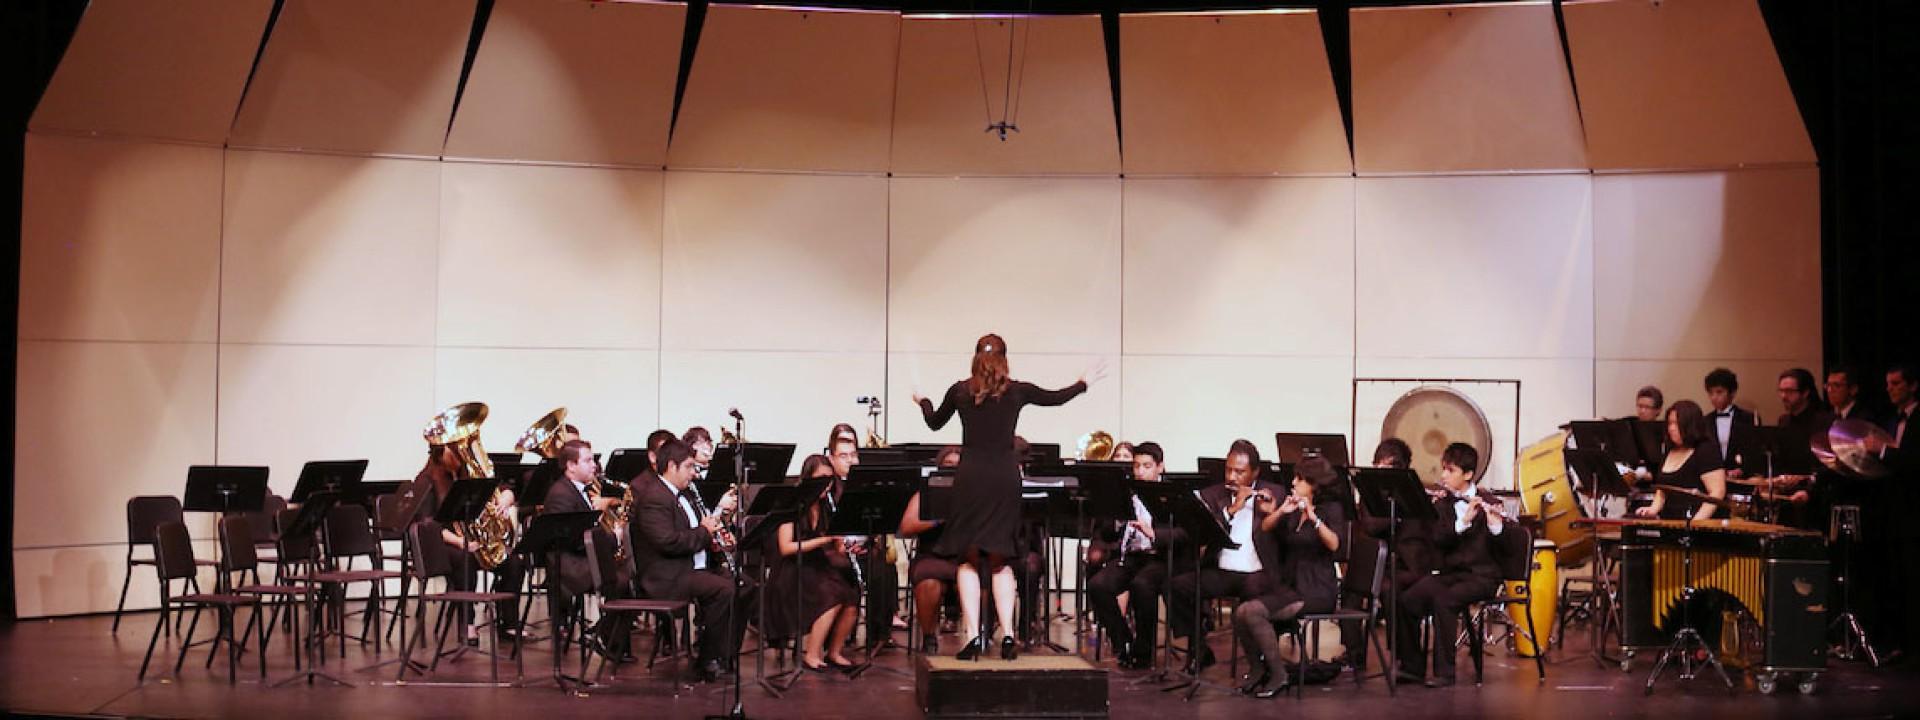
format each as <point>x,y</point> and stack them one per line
<point>1822,447</point>
<point>1695,494</point>
<point>1850,439</point>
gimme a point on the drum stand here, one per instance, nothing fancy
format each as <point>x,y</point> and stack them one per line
<point>1687,639</point>
<point>1844,524</point>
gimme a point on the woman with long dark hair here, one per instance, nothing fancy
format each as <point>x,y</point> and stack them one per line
<point>1686,466</point>
<point>986,508</point>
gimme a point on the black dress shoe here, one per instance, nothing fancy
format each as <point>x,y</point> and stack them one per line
<point>1440,681</point>
<point>1256,680</point>
<point>710,671</point>
<point>1278,688</point>
<point>1008,650</point>
<point>973,649</point>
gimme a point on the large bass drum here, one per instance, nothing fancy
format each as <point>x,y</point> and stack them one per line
<point>1431,417</point>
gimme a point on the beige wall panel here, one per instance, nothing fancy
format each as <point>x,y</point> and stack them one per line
<point>1475,267</point>
<point>572,81</point>
<point>1707,265</point>
<point>933,373</point>
<point>170,70</point>
<point>119,241</point>
<point>1616,381</point>
<point>1442,89</point>
<point>787,397</point>
<point>357,76</point>
<point>611,395</point>
<point>283,405</point>
<point>584,244</point>
<point>1062,99</point>
<point>1682,84</point>
<point>1239,267</point>
<point>1035,260</point>
<point>775,262</point>
<point>1196,406</point>
<point>100,423</point>
<point>86,579</point>
<point>1231,94</point>
<point>329,249</point>
<point>1552,391</point>
<point>788,89</point>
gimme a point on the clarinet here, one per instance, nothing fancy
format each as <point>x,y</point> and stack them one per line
<point>726,548</point>
<point>859,576</point>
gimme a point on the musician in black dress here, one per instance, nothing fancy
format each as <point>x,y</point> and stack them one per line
<point>931,574</point>
<point>1312,525</point>
<point>986,517</point>
<point>1692,464</point>
<point>815,566</point>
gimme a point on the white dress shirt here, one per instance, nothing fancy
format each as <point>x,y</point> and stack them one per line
<point>1244,558</point>
<point>693,518</point>
<point>1494,522</point>
<point>1723,425</point>
<point>1132,540</point>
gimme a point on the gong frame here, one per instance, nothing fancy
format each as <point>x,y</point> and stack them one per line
<point>1353,414</point>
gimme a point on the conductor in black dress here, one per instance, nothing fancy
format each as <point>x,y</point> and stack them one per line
<point>986,514</point>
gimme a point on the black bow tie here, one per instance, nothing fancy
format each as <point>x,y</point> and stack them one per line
<point>1724,414</point>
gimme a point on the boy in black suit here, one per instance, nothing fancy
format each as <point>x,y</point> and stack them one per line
<point>1465,572</point>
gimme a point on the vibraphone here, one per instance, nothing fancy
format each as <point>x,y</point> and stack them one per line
<point>1775,574</point>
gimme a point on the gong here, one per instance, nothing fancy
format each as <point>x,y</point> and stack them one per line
<point>1431,417</point>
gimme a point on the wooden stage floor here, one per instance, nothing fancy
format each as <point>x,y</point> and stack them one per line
<point>75,667</point>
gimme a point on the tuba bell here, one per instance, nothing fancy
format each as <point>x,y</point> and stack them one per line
<point>1096,446</point>
<point>546,436</point>
<point>457,429</point>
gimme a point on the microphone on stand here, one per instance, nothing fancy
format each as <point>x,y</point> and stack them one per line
<point>735,414</point>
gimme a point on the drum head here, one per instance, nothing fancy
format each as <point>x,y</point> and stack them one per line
<point>1431,417</point>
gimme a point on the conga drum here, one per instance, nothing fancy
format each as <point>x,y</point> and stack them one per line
<point>1543,595</point>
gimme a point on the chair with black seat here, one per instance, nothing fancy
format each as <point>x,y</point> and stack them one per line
<point>349,535</point>
<point>1515,555</point>
<point>384,506</point>
<point>1366,574</point>
<point>173,560</point>
<point>604,570</point>
<point>430,561</point>
<point>145,514</point>
<point>240,567</point>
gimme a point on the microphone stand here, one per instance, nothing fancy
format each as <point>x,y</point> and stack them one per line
<point>738,711</point>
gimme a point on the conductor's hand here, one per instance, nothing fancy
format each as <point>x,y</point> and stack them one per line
<point>1094,373</point>
<point>917,397</point>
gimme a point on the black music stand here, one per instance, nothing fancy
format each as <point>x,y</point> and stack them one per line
<point>338,476</point>
<point>1051,505</point>
<point>310,520</point>
<point>766,463</point>
<point>466,500</point>
<point>1100,499</point>
<point>625,464</point>
<point>1596,468</point>
<point>792,499</point>
<point>225,489</point>
<point>1177,500</point>
<point>886,456</point>
<point>774,505</point>
<point>505,458</point>
<point>533,491</point>
<point>875,499</point>
<point>551,534</point>
<point>1043,453</point>
<point>1295,446</point>
<point>1393,493</point>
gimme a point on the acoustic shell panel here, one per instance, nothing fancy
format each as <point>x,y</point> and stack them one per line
<point>789,89</point>
<point>955,83</point>
<point>611,395</point>
<point>1682,84</point>
<point>357,76</point>
<point>166,70</point>
<point>1479,88</point>
<point>1196,405</point>
<point>284,405</point>
<point>572,81</point>
<point>1229,94</point>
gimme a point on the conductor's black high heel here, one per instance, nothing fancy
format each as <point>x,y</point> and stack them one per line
<point>973,649</point>
<point>1007,649</point>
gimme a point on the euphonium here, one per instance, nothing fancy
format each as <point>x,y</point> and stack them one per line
<point>1097,446</point>
<point>544,437</point>
<point>457,429</point>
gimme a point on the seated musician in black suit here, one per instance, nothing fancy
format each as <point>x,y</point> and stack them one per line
<point>1466,570</point>
<point>1136,566</point>
<point>567,574</point>
<point>673,551</point>
<point>1249,507</point>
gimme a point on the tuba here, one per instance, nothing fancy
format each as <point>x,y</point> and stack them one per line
<point>544,438</point>
<point>458,430</point>
<point>1096,446</point>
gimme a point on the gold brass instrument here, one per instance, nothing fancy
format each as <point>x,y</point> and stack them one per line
<point>457,429</point>
<point>1096,446</point>
<point>545,437</point>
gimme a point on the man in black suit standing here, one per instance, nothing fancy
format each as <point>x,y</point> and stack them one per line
<point>568,575</point>
<point>1248,506</point>
<point>1467,571</point>
<point>1732,424</point>
<point>672,543</point>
